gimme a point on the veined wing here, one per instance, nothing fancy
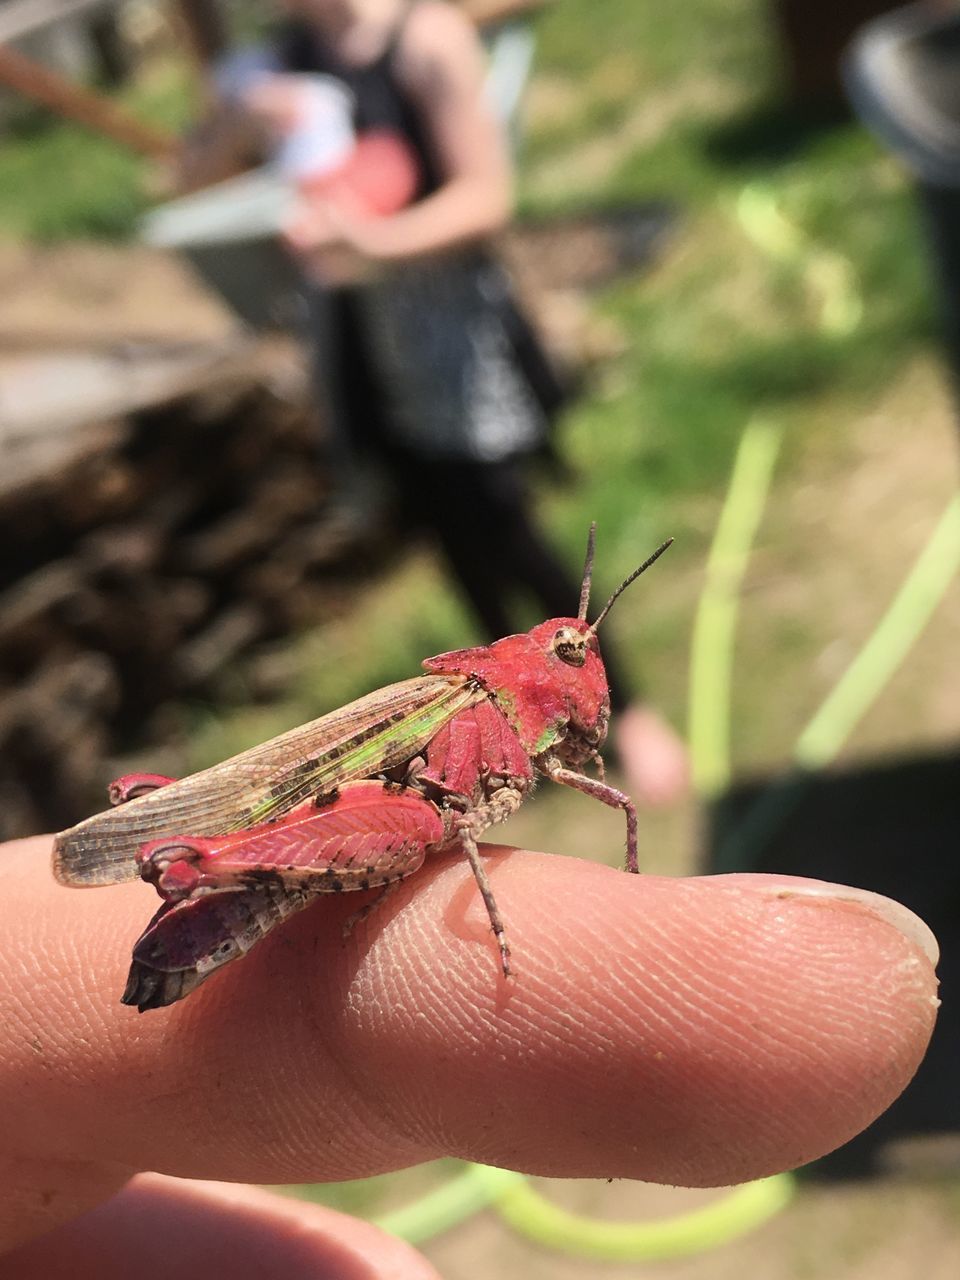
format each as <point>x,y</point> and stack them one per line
<point>374,733</point>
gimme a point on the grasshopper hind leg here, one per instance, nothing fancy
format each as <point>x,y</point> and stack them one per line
<point>367,911</point>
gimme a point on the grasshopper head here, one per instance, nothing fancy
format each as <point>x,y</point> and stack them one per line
<point>570,648</point>
<point>570,662</point>
<point>550,682</point>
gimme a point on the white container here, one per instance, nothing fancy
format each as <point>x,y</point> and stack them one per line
<point>323,136</point>
<point>230,234</point>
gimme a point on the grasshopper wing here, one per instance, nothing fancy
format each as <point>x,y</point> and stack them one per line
<point>372,734</point>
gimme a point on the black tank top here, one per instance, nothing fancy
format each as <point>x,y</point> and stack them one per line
<point>380,101</point>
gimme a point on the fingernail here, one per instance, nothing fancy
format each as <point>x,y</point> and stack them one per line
<point>894,913</point>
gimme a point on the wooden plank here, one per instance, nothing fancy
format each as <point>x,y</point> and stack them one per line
<point>39,83</point>
<point>52,407</point>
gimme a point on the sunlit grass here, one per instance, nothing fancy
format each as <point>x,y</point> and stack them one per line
<point>61,181</point>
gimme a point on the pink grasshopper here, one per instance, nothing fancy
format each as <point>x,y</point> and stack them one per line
<point>352,801</point>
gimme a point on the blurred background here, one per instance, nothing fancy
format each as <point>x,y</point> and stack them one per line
<point>751,300</point>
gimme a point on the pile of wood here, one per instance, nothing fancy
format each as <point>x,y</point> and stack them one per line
<point>144,552</point>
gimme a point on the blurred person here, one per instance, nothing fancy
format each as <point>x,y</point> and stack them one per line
<point>698,1032</point>
<point>427,369</point>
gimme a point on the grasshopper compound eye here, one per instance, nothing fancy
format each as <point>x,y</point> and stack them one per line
<point>570,647</point>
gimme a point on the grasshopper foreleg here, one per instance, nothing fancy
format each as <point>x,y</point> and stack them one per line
<point>602,791</point>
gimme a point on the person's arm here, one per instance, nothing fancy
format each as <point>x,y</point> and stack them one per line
<point>443,67</point>
<point>489,12</point>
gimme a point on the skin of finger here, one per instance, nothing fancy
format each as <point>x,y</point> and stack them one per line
<point>699,1032</point>
<point>158,1227</point>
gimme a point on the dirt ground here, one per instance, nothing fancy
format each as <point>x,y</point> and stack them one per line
<point>92,296</point>
<point>900,456</point>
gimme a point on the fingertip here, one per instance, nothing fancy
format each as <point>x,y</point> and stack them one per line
<point>895,914</point>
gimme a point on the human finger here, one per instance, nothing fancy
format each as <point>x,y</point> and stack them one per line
<point>158,1227</point>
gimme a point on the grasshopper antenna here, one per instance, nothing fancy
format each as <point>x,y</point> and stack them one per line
<point>626,582</point>
<point>587,573</point>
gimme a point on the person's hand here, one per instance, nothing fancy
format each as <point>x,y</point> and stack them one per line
<point>335,245</point>
<point>652,755</point>
<point>699,1032</point>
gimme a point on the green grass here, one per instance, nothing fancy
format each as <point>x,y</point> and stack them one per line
<point>59,181</point>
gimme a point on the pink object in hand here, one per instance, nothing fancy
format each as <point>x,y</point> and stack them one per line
<point>378,177</point>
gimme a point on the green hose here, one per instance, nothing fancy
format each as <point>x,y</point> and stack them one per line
<point>855,692</point>
<point>714,627</point>
<point>532,1215</point>
<point>828,275</point>
<point>737,1212</point>
<point>458,1199</point>
<point>894,636</point>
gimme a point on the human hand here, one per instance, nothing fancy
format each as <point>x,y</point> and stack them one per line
<point>652,755</point>
<point>334,245</point>
<point>699,1032</point>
